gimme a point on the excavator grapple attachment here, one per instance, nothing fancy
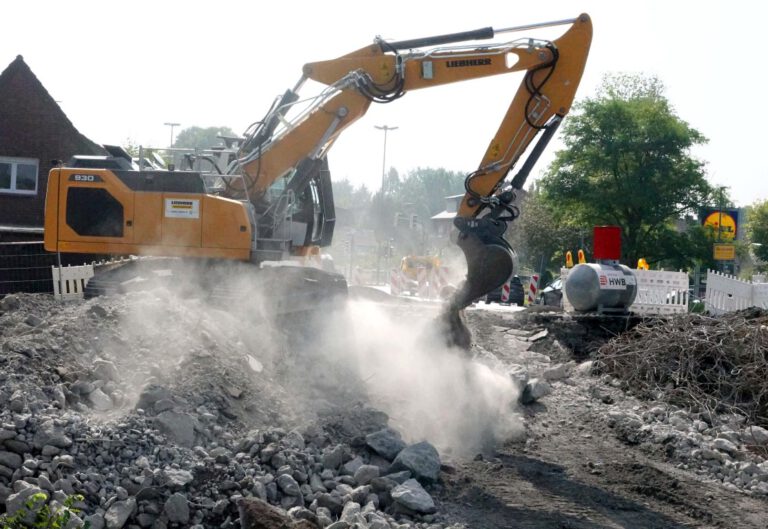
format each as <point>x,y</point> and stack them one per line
<point>489,266</point>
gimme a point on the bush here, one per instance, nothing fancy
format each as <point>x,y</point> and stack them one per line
<point>45,517</point>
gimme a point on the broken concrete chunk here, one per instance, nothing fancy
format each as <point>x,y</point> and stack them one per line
<point>534,390</point>
<point>413,496</point>
<point>387,443</point>
<point>421,459</point>
<point>178,426</point>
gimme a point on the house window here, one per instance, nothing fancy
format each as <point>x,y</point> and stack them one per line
<point>18,175</point>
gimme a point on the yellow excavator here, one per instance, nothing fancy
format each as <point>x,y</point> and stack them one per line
<point>273,201</point>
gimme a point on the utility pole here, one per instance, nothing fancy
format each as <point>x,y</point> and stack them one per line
<point>386,129</point>
<point>172,125</point>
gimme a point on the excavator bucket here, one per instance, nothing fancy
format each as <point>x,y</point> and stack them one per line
<point>489,265</point>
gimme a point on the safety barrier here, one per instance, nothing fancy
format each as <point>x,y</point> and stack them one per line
<point>727,293</point>
<point>396,282</point>
<point>533,288</point>
<point>658,292</point>
<point>69,281</point>
<point>430,283</point>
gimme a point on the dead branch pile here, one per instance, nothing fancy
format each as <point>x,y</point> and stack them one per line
<point>698,362</point>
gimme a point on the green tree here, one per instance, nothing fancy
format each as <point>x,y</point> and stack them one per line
<point>541,235</point>
<point>758,229</point>
<point>201,138</point>
<point>423,191</point>
<point>627,162</point>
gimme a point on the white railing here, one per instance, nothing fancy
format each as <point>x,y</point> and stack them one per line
<point>69,281</point>
<point>727,293</point>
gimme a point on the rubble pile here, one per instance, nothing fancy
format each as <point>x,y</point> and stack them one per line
<point>704,363</point>
<point>705,395</point>
<point>634,385</point>
<point>205,434</point>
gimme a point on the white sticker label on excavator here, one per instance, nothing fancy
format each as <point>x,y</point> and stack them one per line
<point>614,280</point>
<point>182,208</point>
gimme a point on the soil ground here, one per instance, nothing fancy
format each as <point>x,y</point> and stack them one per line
<point>572,471</point>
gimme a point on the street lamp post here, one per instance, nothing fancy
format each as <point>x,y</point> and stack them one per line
<point>386,129</point>
<point>172,125</point>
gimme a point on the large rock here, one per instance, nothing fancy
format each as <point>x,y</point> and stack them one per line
<point>724,445</point>
<point>118,513</point>
<point>387,443</point>
<point>288,485</point>
<point>180,427</point>
<point>413,496</point>
<point>9,303</point>
<point>421,459</point>
<point>177,478</point>
<point>50,434</point>
<point>756,435</point>
<point>150,395</point>
<point>100,400</point>
<point>534,390</point>
<point>10,459</point>
<point>333,458</point>
<point>177,508</point>
<point>365,473</point>
<point>19,500</point>
<point>105,370</point>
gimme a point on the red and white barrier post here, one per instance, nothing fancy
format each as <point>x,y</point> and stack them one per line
<point>395,282</point>
<point>505,291</point>
<point>533,289</point>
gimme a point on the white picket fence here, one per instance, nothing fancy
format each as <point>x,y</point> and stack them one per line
<point>658,292</point>
<point>69,281</point>
<point>727,293</point>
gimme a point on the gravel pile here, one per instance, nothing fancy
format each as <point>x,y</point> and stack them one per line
<point>724,448</point>
<point>199,428</point>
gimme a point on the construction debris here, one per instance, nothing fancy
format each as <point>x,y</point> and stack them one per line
<point>705,364</point>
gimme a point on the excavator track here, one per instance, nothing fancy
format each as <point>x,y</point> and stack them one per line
<point>280,290</point>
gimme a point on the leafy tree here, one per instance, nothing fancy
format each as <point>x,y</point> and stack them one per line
<point>758,229</point>
<point>541,235</point>
<point>201,138</point>
<point>627,163</point>
<point>342,193</point>
<point>423,190</point>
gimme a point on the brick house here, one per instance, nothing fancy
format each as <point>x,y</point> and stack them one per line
<point>33,132</point>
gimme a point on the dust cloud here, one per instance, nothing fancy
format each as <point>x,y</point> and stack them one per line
<point>430,391</point>
<point>393,359</point>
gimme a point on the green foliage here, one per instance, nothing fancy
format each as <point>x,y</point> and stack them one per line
<point>758,229</point>
<point>201,138</point>
<point>542,233</point>
<point>44,516</point>
<point>627,163</point>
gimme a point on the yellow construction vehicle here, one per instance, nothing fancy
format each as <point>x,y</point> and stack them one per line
<point>274,201</point>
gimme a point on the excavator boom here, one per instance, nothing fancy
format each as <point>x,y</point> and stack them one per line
<point>275,199</point>
<point>384,71</point>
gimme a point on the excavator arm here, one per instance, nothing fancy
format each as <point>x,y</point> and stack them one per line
<point>383,72</point>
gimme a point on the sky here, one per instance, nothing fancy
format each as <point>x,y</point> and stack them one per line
<point>120,70</point>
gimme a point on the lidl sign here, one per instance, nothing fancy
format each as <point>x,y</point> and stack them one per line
<point>723,223</point>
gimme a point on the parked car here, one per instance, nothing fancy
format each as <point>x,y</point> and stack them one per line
<point>552,294</point>
<point>516,294</point>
